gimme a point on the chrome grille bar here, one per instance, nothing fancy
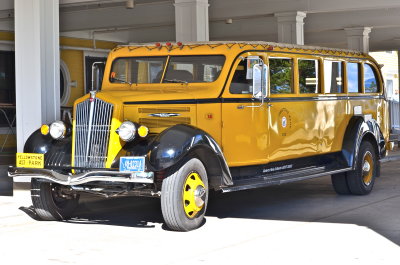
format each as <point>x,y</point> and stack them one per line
<point>92,132</point>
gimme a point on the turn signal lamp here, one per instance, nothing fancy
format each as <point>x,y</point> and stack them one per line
<point>143,131</point>
<point>45,129</point>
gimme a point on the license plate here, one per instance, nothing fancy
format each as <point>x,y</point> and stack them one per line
<point>131,164</point>
<point>30,160</point>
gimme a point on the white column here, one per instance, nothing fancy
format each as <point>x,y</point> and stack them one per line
<point>291,27</point>
<point>191,20</point>
<point>358,38</point>
<point>37,65</point>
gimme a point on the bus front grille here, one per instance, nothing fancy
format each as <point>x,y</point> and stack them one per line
<point>92,133</point>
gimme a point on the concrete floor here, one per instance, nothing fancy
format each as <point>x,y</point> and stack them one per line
<point>302,223</point>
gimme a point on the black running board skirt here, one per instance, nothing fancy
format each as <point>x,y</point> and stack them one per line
<point>282,178</point>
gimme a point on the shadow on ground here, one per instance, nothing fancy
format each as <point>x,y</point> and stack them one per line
<point>307,201</point>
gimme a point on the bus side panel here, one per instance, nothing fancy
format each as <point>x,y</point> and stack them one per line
<point>209,120</point>
<point>376,108</point>
<point>295,129</point>
<point>333,124</point>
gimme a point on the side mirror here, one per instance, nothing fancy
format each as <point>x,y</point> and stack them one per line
<point>97,75</point>
<point>257,81</point>
<point>260,81</point>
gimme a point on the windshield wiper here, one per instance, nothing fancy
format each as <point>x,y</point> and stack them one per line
<point>122,81</point>
<point>175,81</point>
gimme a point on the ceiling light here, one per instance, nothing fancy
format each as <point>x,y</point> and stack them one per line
<point>130,4</point>
<point>228,21</point>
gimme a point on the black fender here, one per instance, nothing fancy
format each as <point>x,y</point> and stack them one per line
<point>56,152</point>
<point>358,130</point>
<point>173,145</point>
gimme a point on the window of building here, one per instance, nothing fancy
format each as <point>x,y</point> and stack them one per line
<point>89,61</point>
<point>333,75</point>
<point>7,85</point>
<point>308,76</point>
<point>240,84</point>
<point>281,75</point>
<point>389,88</point>
<point>353,78</point>
<point>370,80</point>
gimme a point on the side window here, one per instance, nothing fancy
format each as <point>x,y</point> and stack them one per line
<point>281,75</point>
<point>333,74</point>
<point>308,76</point>
<point>353,78</point>
<point>239,83</point>
<point>370,80</point>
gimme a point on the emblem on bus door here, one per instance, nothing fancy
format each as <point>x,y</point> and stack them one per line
<point>284,122</point>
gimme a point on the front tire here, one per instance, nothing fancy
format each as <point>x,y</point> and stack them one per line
<point>184,196</point>
<point>50,203</point>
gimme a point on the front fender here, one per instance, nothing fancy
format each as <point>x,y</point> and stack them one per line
<point>174,144</point>
<point>56,152</point>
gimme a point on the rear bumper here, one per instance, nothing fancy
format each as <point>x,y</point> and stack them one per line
<point>78,179</point>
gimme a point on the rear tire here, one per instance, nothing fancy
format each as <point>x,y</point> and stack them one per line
<point>184,196</point>
<point>339,183</point>
<point>48,202</point>
<point>361,180</point>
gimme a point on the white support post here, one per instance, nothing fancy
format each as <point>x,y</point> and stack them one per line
<point>191,20</point>
<point>291,27</point>
<point>358,38</point>
<point>37,65</point>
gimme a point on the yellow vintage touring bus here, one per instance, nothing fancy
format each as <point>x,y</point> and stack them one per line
<point>176,120</point>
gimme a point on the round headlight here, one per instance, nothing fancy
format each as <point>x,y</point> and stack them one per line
<point>58,130</point>
<point>127,131</point>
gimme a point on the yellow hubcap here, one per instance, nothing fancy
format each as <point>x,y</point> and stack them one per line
<point>194,193</point>
<point>367,168</point>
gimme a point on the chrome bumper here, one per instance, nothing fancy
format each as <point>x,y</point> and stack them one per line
<point>111,176</point>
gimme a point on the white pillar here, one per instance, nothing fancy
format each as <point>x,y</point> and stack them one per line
<point>291,27</point>
<point>191,20</point>
<point>358,38</point>
<point>37,65</point>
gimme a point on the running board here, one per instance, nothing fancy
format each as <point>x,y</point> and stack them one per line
<point>282,178</point>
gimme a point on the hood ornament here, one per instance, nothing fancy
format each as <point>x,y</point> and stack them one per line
<point>92,95</point>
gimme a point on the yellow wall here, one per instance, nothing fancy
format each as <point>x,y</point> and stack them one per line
<point>75,62</point>
<point>74,59</point>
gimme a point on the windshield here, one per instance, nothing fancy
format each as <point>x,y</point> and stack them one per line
<point>181,69</point>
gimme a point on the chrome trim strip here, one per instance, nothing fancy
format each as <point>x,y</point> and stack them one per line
<point>78,179</point>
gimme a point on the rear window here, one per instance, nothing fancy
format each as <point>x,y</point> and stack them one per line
<point>370,80</point>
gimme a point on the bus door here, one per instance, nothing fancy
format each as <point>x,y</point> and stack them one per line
<point>244,119</point>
